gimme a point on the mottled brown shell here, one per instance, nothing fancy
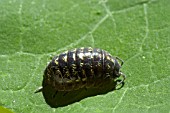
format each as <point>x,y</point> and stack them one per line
<point>81,67</point>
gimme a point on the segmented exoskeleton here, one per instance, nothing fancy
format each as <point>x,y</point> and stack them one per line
<point>82,67</point>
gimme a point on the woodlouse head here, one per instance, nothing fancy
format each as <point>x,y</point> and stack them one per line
<point>117,71</point>
<point>117,68</point>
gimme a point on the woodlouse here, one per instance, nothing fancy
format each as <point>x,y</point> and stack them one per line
<point>82,67</point>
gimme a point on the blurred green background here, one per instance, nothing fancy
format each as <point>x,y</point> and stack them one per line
<point>135,30</point>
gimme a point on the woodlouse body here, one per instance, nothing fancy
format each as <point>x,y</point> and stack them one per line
<point>82,67</point>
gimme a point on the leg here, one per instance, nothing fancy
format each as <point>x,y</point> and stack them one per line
<point>65,93</point>
<point>55,94</point>
<point>39,90</point>
<point>120,60</point>
<point>119,82</point>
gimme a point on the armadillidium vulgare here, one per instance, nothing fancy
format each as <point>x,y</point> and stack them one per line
<point>81,68</point>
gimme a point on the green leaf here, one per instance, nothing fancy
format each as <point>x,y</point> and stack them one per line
<point>4,110</point>
<point>135,30</point>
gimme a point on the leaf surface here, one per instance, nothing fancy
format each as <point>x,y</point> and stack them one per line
<point>135,30</point>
